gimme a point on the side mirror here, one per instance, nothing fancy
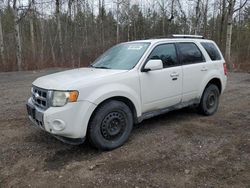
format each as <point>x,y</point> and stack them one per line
<point>153,64</point>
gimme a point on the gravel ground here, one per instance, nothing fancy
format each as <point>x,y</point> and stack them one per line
<point>177,149</point>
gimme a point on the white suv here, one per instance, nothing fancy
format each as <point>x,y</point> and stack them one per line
<point>130,82</point>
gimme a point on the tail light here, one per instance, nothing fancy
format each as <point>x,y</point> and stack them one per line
<point>225,69</point>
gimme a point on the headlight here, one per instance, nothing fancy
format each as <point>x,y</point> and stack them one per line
<point>60,98</point>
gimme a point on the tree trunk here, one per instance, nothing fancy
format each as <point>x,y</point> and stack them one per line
<point>197,17</point>
<point>71,33</point>
<point>52,50</point>
<point>229,33</point>
<point>102,25</point>
<point>17,38</point>
<point>59,30</point>
<point>42,34</point>
<point>163,24</point>
<point>128,31</point>
<point>117,25</point>
<point>214,23</point>
<point>85,23</point>
<point>228,39</point>
<point>2,44</point>
<point>32,36</point>
<point>135,33</point>
<point>205,19</point>
<point>223,15</point>
<point>42,43</point>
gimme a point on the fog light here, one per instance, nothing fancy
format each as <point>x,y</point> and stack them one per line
<point>58,125</point>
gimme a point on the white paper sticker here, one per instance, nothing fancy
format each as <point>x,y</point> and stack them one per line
<point>135,47</point>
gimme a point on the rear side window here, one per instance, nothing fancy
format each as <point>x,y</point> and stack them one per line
<point>190,53</point>
<point>211,50</point>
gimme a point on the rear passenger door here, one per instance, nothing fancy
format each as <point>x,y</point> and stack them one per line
<point>194,69</point>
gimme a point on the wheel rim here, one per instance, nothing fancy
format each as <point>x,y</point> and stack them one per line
<point>113,125</point>
<point>211,100</point>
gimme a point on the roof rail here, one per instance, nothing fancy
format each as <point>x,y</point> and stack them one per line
<point>187,36</point>
<point>177,36</point>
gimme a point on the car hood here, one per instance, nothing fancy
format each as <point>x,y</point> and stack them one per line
<point>67,80</point>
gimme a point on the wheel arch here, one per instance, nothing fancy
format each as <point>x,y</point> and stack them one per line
<point>217,82</point>
<point>214,80</point>
<point>123,99</point>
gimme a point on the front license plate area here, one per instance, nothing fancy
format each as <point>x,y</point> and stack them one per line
<point>31,111</point>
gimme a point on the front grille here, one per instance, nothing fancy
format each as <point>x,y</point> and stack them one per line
<point>40,97</point>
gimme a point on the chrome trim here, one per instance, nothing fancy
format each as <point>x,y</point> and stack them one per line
<point>40,97</point>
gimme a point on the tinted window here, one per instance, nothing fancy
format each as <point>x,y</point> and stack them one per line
<point>165,52</point>
<point>190,53</point>
<point>211,50</point>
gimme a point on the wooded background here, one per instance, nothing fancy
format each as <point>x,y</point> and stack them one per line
<point>36,34</point>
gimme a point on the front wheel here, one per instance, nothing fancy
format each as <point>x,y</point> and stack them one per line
<point>210,100</point>
<point>110,125</point>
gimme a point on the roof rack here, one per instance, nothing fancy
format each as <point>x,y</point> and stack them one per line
<point>178,36</point>
<point>187,36</point>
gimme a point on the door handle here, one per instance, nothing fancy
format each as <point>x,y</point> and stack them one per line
<point>204,69</point>
<point>174,74</point>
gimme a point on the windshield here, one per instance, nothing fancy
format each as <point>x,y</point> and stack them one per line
<point>122,56</point>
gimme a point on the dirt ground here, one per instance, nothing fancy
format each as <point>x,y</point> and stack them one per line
<point>177,149</point>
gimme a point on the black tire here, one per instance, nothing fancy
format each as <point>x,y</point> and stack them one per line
<point>110,125</point>
<point>209,101</point>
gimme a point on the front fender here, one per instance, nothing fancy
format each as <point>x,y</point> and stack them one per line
<point>115,90</point>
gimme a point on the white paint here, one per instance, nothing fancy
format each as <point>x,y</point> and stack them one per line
<point>152,90</point>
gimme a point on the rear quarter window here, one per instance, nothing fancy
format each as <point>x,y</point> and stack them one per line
<point>212,51</point>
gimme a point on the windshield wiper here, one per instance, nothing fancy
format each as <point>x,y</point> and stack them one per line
<point>101,67</point>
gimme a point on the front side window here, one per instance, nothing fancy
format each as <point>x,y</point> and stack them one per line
<point>190,53</point>
<point>165,52</point>
<point>122,56</point>
<point>211,50</point>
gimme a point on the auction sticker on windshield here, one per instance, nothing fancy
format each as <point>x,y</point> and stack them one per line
<point>135,47</point>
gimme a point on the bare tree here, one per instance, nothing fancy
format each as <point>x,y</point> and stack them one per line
<point>197,17</point>
<point>205,17</point>
<point>32,35</point>
<point>231,9</point>
<point>59,29</point>
<point>117,18</point>
<point>223,13</point>
<point>1,39</point>
<point>17,37</point>
<point>183,15</point>
<point>17,19</point>
<point>118,3</point>
<point>162,5</point>
<point>71,31</point>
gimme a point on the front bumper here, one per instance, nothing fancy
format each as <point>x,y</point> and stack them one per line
<point>67,122</point>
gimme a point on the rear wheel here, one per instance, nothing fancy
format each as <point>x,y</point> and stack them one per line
<point>110,125</point>
<point>210,100</point>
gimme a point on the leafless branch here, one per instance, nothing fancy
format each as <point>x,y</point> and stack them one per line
<point>235,10</point>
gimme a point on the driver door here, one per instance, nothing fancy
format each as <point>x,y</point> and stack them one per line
<point>162,88</point>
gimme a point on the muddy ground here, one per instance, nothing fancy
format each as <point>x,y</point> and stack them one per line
<point>177,149</point>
